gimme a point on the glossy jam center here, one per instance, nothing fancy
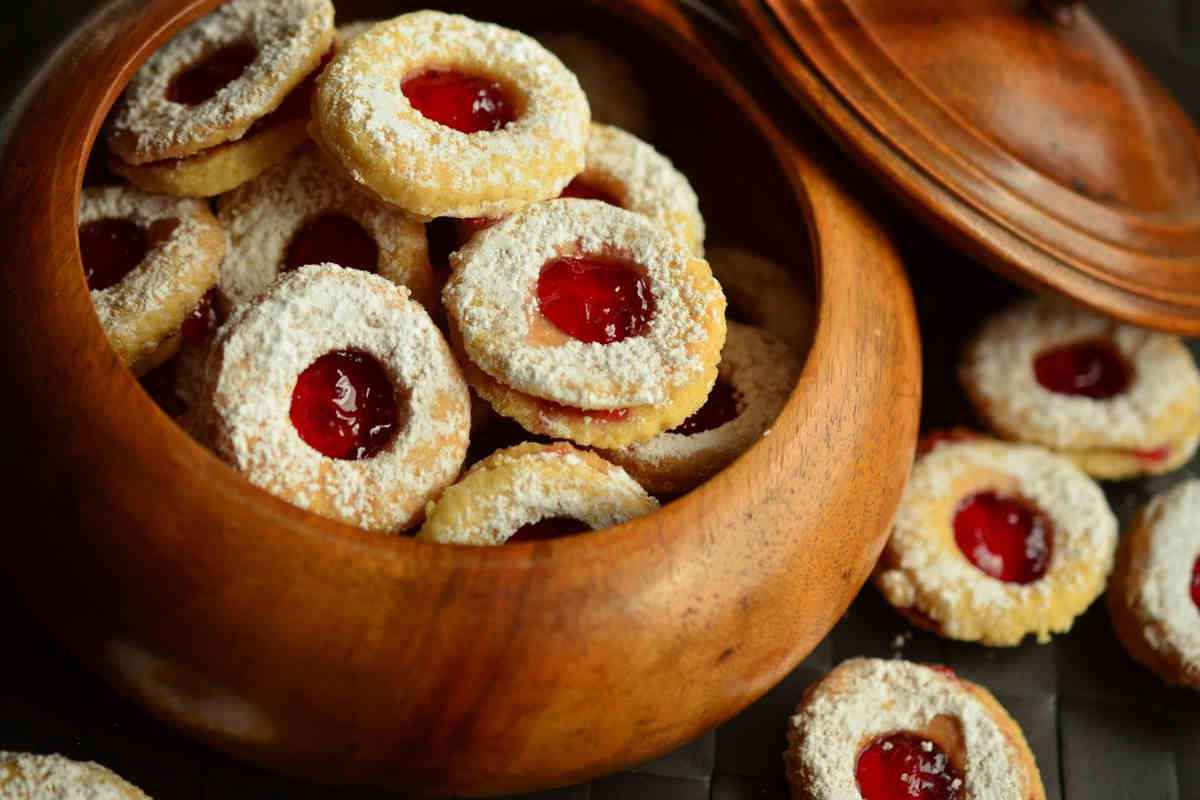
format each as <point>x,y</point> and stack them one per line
<point>203,322</point>
<point>595,299</point>
<point>344,406</point>
<point>333,239</point>
<point>202,81</point>
<point>467,103</point>
<point>1004,537</point>
<point>904,766</point>
<point>1092,369</point>
<point>1196,583</point>
<point>583,190</point>
<point>111,249</point>
<point>552,528</point>
<point>720,407</point>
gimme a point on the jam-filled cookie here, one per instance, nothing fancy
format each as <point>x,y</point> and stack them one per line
<point>352,30</point>
<point>994,541</point>
<point>486,120</point>
<point>335,391</point>
<point>177,384</point>
<point>611,84</point>
<point>583,321</point>
<point>764,294</point>
<point>1154,595</point>
<point>302,212</point>
<point>1118,400</point>
<point>755,378</point>
<point>224,100</point>
<point>885,730</point>
<point>534,492</point>
<point>24,776</point>
<point>148,260</point>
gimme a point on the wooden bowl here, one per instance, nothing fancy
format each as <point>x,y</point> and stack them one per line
<point>322,651</point>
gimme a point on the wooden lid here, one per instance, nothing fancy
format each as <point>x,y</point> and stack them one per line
<point>1027,134</point>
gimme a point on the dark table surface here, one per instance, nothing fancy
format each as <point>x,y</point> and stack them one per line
<point>1101,728</point>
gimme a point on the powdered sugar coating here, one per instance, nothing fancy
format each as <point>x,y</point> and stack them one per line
<point>264,216</point>
<point>352,30</point>
<point>24,776</point>
<point>363,119</point>
<point>762,371</point>
<point>291,37</point>
<point>264,347</point>
<point>923,568</point>
<point>646,183</point>
<point>866,698</point>
<point>1161,402</point>
<point>1159,587</point>
<point>529,483</point>
<point>492,299</point>
<point>149,304</point>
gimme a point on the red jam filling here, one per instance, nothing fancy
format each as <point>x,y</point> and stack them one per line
<point>595,299</point>
<point>720,408</point>
<point>202,81</point>
<point>467,103</point>
<point>203,322</point>
<point>1004,537</point>
<point>1156,456</point>
<point>601,415</point>
<point>344,406</point>
<point>333,239</point>
<point>583,190</point>
<point>546,529</point>
<point>111,249</point>
<point>1196,583</point>
<point>930,441</point>
<point>904,766</point>
<point>1092,369</point>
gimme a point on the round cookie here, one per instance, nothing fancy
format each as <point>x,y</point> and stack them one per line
<point>579,304</point>
<point>1154,594</point>
<point>336,392</point>
<point>995,541</point>
<point>148,260</point>
<point>874,729</point>
<point>764,294</point>
<point>611,84</point>
<point>755,379</point>
<point>302,212</point>
<point>534,492</point>
<point>1118,400</point>
<point>487,120</point>
<point>24,776</point>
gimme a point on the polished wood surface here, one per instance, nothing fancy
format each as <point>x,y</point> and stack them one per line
<point>1035,143</point>
<point>325,652</point>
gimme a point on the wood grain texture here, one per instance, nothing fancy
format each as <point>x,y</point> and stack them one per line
<point>322,651</point>
<point>1039,146</point>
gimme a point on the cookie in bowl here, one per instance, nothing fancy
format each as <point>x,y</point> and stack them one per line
<point>996,541</point>
<point>885,730</point>
<point>764,294</point>
<point>24,776</point>
<point>586,322</point>
<point>226,99</point>
<point>1154,594</point>
<point>1119,401</point>
<point>335,391</point>
<point>534,492</point>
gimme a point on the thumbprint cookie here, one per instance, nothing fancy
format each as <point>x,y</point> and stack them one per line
<point>24,776</point>
<point>1154,595</point>
<point>352,30</point>
<point>225,99</point>
<point>764,294</point>
<point>587,322</point>
<point>302,212</point>
<point>1118,400</point>
<point>486,120</point>
<point>994,541</point>
<point>755,378</point>
<point>149,260</point>
<point>534,492</point>
<point>611,84</point>
<point>625,172</point>
<point>335,391</point>
<point>895,730</point>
